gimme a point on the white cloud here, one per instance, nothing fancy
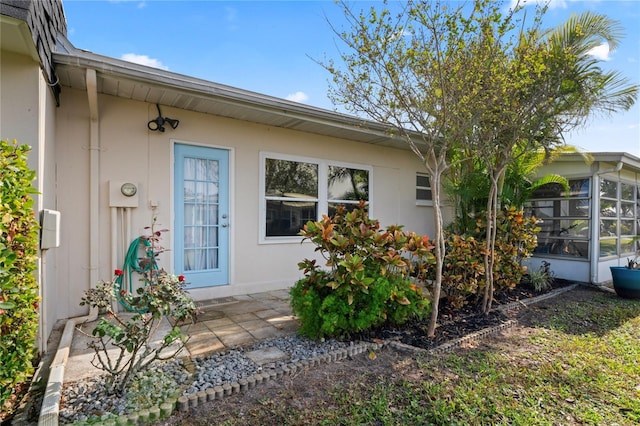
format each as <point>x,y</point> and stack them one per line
<point>297,97</point>
<point>553,4</point>
<point>231,14</point>
<point>600,52</point>
<point>143,60</point>
<point>141,4</point>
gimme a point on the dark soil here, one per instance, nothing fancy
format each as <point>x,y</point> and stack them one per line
<point>456,323</point>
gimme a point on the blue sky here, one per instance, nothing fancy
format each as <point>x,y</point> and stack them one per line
<point>269,47</point>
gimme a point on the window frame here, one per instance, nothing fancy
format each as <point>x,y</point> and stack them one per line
<point>555,242</point>
<point>618,219</point>
<point>323,189</point>
<point>420,202</point>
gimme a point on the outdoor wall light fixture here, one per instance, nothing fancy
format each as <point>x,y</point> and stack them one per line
<point>159,122</point>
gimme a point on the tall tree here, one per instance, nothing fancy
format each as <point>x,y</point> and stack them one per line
<point>408,70</point>
<point>553,85</point>
<point>448,77</point>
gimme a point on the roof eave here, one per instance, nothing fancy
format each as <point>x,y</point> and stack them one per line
<point>371,131</point>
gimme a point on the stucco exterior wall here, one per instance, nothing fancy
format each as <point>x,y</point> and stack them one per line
<point>130,152</point>
<point>19,97</point>
<point>28,110</point>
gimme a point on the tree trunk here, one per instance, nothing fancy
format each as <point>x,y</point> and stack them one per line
<point>490,245</point>
<point>439,250</point>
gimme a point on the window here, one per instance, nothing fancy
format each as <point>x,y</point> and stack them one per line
<point>565,219</point>
<point>346,187</point>
<point>296,190</point>
<point>423,190</point>
<point>618,218</point>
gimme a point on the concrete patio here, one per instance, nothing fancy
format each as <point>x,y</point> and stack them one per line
<point>221,324</point>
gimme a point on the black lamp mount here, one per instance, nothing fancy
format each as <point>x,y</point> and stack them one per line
<point>159,122</point>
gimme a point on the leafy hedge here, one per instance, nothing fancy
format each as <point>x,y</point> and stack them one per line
<point>18,261</point>
<point>367,279</point>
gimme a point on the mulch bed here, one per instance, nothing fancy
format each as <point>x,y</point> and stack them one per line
<point>456,323</point>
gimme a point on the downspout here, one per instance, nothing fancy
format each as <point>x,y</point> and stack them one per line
<point>49,413</point>
<point>595,231</point>
<point>94,178</point>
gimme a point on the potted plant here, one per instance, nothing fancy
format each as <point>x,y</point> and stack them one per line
<point>626,279</point>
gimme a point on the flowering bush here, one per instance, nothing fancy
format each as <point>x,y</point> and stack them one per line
<point>134,334</point>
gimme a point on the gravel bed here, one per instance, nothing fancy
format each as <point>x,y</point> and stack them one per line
<point>86,398</point>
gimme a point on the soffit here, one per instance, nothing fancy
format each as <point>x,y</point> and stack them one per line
<point>136,82</point>
<point>16,37</point>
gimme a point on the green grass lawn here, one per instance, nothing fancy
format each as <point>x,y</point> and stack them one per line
<point>580,365</point>
<point>575,363</point>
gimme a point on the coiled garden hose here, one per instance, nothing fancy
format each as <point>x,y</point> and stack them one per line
<point>132,264</point>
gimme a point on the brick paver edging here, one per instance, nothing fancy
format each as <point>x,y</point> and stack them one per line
<point>524,303</point>
<point>188,402</point>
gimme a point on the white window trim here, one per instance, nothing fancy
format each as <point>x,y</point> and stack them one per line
<point>619,200</point>
<point>323,202</point>
<point>428,203</point>
<point>589,219</point>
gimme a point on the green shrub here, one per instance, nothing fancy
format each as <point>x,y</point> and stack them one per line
<point>149,389</point>
<point>516,239</point>
<point>463,271</point>
<point>368,278</point>
<point>18,261</point>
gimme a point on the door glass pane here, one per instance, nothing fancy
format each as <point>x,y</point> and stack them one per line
<point>213,236</point>
<point>188,236</point>
<point>201,182</point>
<point>201,191</point>
<point>189,191</point>
<point>202,171</point>
<point>189,215</point>
<point>212,192</point>
<point>189,168</point>
<point>213,214</point>
<point>212,259</point>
